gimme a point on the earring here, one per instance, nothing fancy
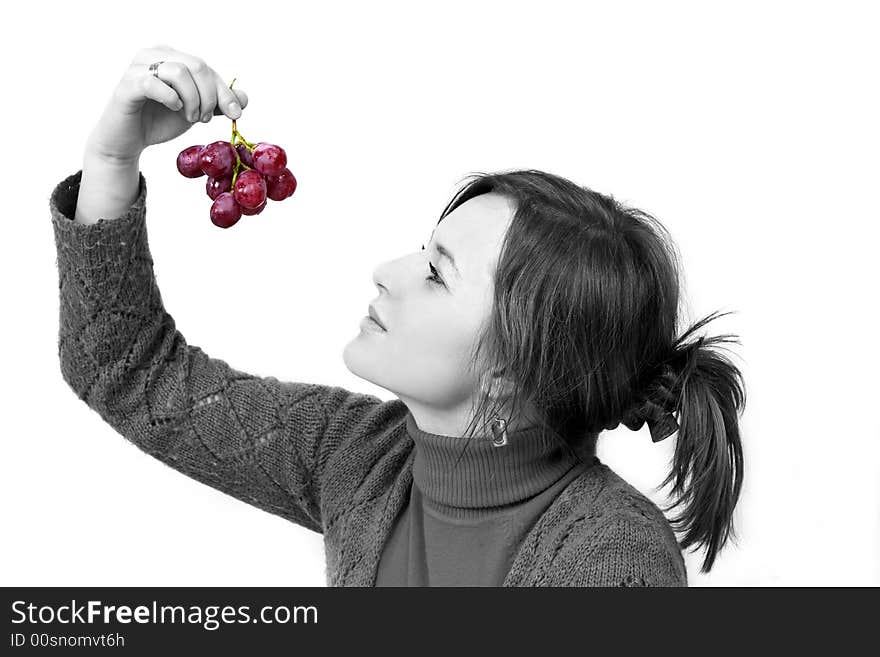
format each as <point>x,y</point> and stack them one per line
<point>499,431</point>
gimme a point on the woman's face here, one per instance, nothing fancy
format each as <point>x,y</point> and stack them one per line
<point>432,325</point>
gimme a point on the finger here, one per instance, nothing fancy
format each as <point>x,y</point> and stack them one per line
<point>177,76</point>
<point>220,92</point>
<point>157,90</point>
<point>206,82</point>
<point>227,97</point>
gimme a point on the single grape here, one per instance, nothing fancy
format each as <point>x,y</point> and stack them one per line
<point>249,189</point>
<point>269,159</point>
<point>216,186</point>
<point>245,155</point>
<point>225,211</point>
<point>281,186</point>
<point>256,210</point>
<point>217,159</point>
<point>188,162</point>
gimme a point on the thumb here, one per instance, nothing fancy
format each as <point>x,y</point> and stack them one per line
<point>242,97</point>
<point>229,95</point>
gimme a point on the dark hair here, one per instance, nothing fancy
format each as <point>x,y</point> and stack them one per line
<point>583,325</point>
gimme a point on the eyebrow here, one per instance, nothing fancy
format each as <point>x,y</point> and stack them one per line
<point>446,253</point>
<point>443,251</point>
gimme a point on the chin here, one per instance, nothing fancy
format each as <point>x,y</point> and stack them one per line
<point>357,358</point>
<point>362,360</point>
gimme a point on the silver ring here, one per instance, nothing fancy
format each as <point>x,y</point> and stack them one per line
<point>154,68</point>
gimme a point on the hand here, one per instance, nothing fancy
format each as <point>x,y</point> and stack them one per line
<point>146,110</point>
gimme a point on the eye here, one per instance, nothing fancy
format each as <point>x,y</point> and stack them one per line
<point>435,275</point>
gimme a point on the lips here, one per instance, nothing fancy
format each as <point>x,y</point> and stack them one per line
<point>375,316</point>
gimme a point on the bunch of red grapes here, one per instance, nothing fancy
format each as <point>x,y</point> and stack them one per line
<point>242,176</point>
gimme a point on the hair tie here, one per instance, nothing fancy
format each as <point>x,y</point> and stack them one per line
<point>662,427</point>
<point>657,410</point>
<point>661,422</point>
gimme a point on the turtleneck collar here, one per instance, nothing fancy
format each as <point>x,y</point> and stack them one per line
<point>486,476</point>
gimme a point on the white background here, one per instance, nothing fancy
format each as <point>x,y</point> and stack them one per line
<point>750,130</point>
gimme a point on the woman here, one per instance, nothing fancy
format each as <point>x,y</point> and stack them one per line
<point>538,314</point>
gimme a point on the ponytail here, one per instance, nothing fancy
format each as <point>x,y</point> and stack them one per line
<point>708,462</point>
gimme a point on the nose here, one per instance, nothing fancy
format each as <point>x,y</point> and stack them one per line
<point>394,276</point>
<point>387,272</point>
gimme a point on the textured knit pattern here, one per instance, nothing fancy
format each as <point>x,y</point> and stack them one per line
<point>328,459</point>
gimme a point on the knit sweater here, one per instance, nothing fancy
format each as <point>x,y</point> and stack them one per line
<point>334,461</point>
<point>471,505</point>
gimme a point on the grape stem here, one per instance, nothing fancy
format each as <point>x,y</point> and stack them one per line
<point>238,138</point>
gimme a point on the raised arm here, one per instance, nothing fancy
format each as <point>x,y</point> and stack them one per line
<point>266,442</point>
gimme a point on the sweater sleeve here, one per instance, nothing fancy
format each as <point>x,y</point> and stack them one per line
<point>263,441</point>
